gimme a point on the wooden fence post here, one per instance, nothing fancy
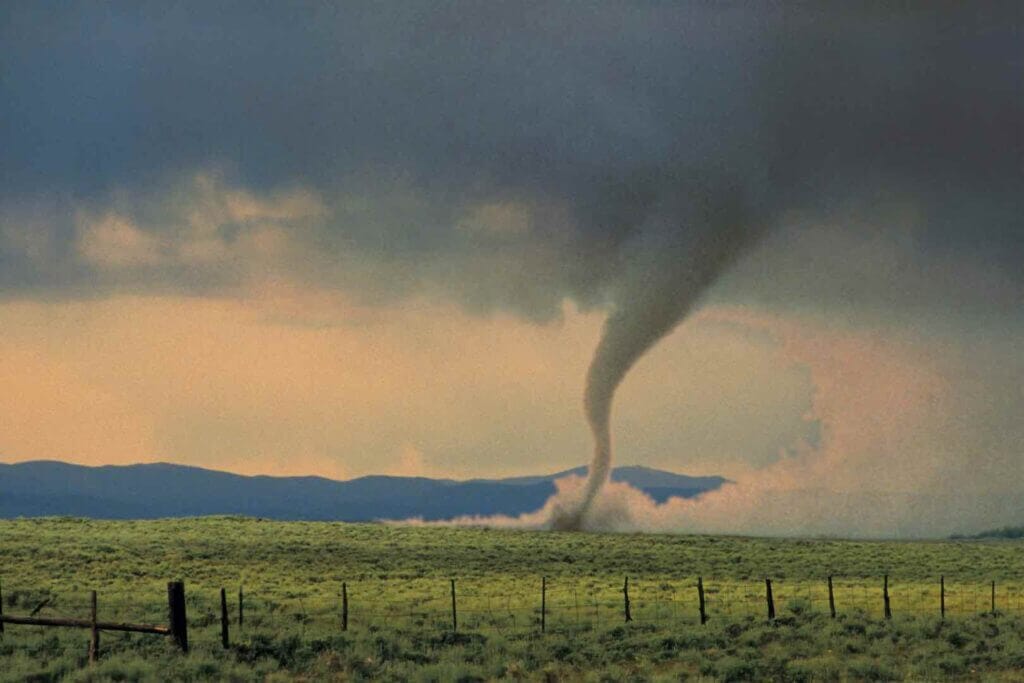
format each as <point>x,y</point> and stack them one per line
<point>700,597</point>
<point>768,596</point>
<point>993,598</point>
<point>942,597</point>
<point>543,603</point>
<point>1,611</point>
<point>344,606</point>
<point>241,615</point>
<point>885,597</point>
<point>455,617</point>
<point>94,640</point>
<point>224,619</point>
<point>831,598</point>
<point>625,597</point>
<point>176,609</point>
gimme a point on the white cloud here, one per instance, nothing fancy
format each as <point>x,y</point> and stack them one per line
<point>113,241</point>
<point>206,223</point>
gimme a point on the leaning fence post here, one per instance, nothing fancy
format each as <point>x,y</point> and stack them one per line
<point>885,597</point>
<point>700,597</point>
<point>768,595</point>
<point>94,640</point>
<point>176,608</point>
<point>455,617</point>
<point>224,619</point>
<point>344,606</point>
<point>543,603</point>
<point>831,598</point>
<point>240,612</point>
<point>625,597</point>
<point>993,598</point>
<point>942,597</point>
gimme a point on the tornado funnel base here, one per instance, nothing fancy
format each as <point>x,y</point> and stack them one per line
<point>567,520</point>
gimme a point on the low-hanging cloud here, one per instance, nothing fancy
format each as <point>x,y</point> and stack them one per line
<point>590,124</point>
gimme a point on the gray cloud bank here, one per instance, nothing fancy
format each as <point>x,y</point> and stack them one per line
<point>506,155</point>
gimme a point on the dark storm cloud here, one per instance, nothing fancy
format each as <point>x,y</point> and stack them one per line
<point>593,119</point>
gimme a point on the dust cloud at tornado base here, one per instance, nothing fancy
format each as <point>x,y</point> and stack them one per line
<point>899,453</point>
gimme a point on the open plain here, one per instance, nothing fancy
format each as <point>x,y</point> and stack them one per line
<point>398,581</point>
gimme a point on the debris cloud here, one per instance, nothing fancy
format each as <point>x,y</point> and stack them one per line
<point>903,450</point>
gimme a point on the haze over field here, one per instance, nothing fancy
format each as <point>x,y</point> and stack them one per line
<point>315,239</point>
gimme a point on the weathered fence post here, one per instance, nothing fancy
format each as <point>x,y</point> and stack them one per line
<point>625,597</point>
<point>241,615</point>
<point>885,597</point>
<point>344,606</point>
<point>942,597</point>
<point>543,603</point>
<point>455,616</point>
<point>831,598</point>
<point>224,619</point>
<point>94,639</point>
<point>700,597</point>
<point>993,598</point>
<point>1,611</point>
<point>768,596</point>
<point>176,609</point>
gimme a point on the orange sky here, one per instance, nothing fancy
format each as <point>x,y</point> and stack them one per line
<point>281,381</point>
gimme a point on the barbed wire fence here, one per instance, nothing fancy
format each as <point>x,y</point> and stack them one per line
<point>525,606</point>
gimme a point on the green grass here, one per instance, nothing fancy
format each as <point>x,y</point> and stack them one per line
<point>399,604</point>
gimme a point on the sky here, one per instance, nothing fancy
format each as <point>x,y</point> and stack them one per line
<point>336,239</point>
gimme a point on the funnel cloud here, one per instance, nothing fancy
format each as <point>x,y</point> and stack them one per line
<point>662,290</point>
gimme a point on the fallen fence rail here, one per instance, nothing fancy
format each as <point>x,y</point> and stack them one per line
<point>178,628</point>
<point>87,623</point>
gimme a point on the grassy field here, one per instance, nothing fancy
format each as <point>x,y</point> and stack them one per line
<point>400,626</point>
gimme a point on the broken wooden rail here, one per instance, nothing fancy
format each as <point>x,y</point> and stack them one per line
<point>178,628</point>
<point>86,623</point>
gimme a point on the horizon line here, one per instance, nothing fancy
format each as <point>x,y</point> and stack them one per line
<point>585,466</point>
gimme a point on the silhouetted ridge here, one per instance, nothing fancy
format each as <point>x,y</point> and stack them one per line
<point>44,488</point>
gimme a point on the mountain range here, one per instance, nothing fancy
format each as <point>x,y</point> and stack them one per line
<point>146,491</point>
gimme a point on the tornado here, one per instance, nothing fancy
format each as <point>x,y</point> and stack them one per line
<point>684,253</point>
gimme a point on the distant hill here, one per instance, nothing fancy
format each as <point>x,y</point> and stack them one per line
<point>635,475</point>
<point>45,488</point>
<point>1007,532</point>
